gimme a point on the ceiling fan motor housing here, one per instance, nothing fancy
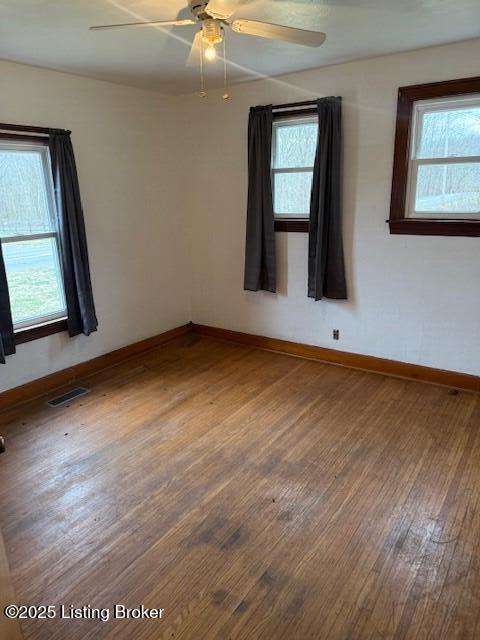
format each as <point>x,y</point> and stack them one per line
<point>198,8</point>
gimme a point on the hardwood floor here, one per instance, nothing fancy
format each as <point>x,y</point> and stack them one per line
<point>252,496</point>
<point>9,628</point>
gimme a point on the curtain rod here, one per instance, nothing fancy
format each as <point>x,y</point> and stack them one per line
<point>294,105</point>
<point>41,131</point>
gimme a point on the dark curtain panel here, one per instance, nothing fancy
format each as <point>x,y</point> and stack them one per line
<point>326,270</point>
<point>73,241</point>
<point>260,268</point>
<point>7,339</point>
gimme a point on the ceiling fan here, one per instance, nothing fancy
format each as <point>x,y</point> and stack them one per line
<point>213,15</point>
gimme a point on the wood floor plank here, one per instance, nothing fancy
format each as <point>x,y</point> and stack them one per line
<point>251,495</point>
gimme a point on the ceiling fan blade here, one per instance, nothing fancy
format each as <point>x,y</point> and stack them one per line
<point>223,9</point>
<point>153,23</point>
<point>196,51</point>
<point>279,32</point>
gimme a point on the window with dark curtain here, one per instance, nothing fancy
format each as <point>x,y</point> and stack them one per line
<point>45,282</point>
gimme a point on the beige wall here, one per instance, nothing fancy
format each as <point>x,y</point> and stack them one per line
<point>412,298</point>
<point>124,140</point>
<point>164,189</point>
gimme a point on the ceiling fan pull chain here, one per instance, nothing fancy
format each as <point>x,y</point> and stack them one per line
<point>226,95</point>
<point>203,93</point>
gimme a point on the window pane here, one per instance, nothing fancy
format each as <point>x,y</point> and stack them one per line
<point>291,193</point>
<point>448,188</point>
<point>295,145</point>
<point>23,195</point>
<point>450,133</point>
<point>34,278</point>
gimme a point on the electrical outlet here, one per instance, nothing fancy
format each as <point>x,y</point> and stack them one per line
<point>336,334</point>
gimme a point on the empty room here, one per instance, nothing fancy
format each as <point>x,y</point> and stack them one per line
<point>239,320</point>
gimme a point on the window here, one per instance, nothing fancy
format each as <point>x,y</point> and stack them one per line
<point>437,190</point>
<point>293,156</point>
<point>29,234</point>
<point>444,175</point>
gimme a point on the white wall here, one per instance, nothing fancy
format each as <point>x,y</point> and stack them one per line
<point>154,170</point>
<point>411,298</point>
<point>124,140</point>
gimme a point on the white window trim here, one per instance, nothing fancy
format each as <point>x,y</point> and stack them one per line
<point>419,110</point>
<point>35,321</point>
<point>285,122</point>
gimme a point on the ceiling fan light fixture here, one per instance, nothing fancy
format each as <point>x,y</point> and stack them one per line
<point>212,32</point>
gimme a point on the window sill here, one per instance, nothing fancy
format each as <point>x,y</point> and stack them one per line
<point>418,227</point>
<point>40,331</point>
<point>292,225</point>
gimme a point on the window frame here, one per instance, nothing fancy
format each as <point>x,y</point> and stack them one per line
<point>285,223</point>
<point>400,222</point>
<point>40,326</point>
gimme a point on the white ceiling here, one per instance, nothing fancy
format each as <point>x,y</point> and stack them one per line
<point>54,33</point>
